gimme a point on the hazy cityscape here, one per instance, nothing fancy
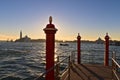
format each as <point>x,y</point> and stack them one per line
<point>28,39</point>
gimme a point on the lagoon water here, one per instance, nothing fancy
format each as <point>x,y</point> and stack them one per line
<point>25,61</point>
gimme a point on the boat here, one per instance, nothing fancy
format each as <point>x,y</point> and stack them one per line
<point>64,44</point>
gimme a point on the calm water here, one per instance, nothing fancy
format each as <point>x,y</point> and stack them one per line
<point>27,60</point>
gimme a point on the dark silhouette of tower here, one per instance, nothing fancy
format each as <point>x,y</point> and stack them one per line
<point>20,34</point>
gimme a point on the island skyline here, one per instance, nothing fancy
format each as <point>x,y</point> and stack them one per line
<point>26,38</point>
<point>92,19</point>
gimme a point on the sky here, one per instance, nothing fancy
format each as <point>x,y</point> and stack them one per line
<point>90,18</point>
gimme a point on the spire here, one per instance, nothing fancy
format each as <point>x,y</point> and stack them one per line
<point>107,34</point>
<point>21,34</point>
<point>78,35</point>
<point>50,19</point>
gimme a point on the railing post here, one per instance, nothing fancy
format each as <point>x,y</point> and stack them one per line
<point>58,69</point>
<point>115,66</point>
<point>50,31</point>
<point>79,49</point>
<point>106,55</point>
<point>112,66</point>
<point>72,57</point>
<point>69,62</point>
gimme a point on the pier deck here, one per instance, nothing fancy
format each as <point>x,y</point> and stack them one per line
<point>89,72</point>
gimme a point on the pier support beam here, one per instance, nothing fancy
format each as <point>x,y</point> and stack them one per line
<point>106,55</point>
<point>79,49</point>
<point>50,31</point>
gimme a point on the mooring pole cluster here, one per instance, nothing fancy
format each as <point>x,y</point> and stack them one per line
<point>50,31</point>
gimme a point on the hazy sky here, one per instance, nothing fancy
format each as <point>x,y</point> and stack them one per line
<point>90,18</point>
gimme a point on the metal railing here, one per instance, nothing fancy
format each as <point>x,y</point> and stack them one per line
<point>63,65</point>
<point>90,56</point>
<point>115,67</point>
<point>58,72</point>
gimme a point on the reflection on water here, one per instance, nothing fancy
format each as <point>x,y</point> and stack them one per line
<point>27,60</point>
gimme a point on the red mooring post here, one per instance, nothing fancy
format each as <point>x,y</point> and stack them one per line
<point>50,31</point>
<point>106,55</point>
<point>79,49</point>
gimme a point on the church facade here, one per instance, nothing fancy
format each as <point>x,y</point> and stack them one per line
<point>23,39</point>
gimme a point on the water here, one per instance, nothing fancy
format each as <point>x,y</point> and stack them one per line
<point>27,60</point>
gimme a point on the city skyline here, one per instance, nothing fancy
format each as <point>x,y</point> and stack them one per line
<point>90,18</point>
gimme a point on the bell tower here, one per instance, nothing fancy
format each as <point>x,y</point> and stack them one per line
<point>21,34</point>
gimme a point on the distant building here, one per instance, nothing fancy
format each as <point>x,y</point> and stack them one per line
<point>20,34</point>
<point>99,41</point>
<point>23,39</point>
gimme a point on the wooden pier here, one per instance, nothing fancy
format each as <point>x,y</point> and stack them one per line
<point>76,71</point>
<point>89,72</point>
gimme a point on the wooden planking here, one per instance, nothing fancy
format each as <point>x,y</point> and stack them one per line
<point>90,72</point>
